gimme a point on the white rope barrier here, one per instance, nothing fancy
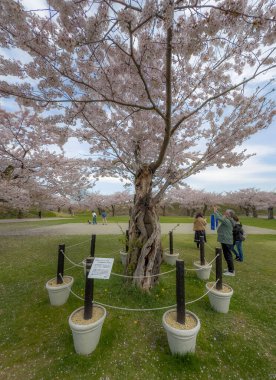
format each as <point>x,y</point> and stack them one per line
<point>205,294</point>
<point>209,246</point>
<point>139,277</point>
<point>175,227</point>
<point>74,245</point>
<point>117,274</point>
<point>144,309</point>
<point>134,309</point>
<point>203,266</point>
<point>73,266</point>
<point>86,241</point>
<point>70,261</point>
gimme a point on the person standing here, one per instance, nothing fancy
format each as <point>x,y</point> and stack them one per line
<point>238,236</point>
<point>199,228</point>
<point>94,217</point>
<point>104,217</point>
<point>225,237</point>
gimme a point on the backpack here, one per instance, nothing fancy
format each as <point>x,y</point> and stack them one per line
<point>238,233</point>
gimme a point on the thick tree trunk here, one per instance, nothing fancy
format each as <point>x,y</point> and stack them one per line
<point>246,210</point>
<point>145,234</point>
<point>254,212</point>
<point>270,213</point>
<point>113,210</point>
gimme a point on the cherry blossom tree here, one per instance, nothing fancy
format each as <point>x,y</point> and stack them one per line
<point>252,200</point>
<point>269,199</point>
<point>93,201</point>
<point>29,163</point>
<point>120,198</point>
<point>194,199</point>
<point>270,204</point>
<point>166,203</point>
<point>161,90</point>
<point>14,197</point>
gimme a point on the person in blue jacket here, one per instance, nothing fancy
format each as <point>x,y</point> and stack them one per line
<point>238,237</point>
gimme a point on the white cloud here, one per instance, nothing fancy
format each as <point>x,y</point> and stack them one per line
<point>253,173</point>
<point>111,180</point>
<point>33,5</point>
<point>261,150</point>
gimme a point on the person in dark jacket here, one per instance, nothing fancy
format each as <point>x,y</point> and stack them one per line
<point>238,238</point>
<point>225,237</point>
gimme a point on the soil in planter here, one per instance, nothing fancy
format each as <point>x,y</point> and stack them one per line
<point>190,321</point>
<point>225,288</point>
<point>66,280</point>
<point>78,319</point>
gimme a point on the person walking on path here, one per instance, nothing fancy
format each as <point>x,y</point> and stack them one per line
<point>199,228</point>
<point>104,217</point>
<point>238,237</point>
<point>225,237</point>
<point>94,217</point>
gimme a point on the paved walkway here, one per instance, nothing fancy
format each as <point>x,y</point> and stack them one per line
<point>109,229</point>
<point>28,220</point>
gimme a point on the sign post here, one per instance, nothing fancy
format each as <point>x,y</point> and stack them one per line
<point>101,268</point>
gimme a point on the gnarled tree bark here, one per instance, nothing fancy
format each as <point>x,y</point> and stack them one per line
<point>145,234</point>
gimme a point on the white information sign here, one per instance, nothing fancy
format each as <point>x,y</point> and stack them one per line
<point>101,268</point>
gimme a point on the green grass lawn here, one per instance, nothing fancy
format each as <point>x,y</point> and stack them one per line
<point>36,341</point>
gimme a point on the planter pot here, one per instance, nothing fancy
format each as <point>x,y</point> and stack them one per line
<point>181,341</point>
<point>170,259</point>
<point>59,293</point>
<point>86,334</point>
<point>203,271</point>
<point>220,299</point>
<point>123,255</point>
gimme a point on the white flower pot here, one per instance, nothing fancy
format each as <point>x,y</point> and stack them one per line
<point>181,341</point>
<point>219,300</point>
<point>170,259</point>
<point>123,255</point>
<point>86,336</point>
<point>59,293</point>
<point>203,271</point>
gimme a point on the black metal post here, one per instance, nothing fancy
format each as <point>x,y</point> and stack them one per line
<point>171,242</point>
<point>202,250</point>
<point>180,292</point>
<point>92,246</point>
<point>60,266</point>
<point>89,290</point>
<point>127,240</point>
<point>219,268</point>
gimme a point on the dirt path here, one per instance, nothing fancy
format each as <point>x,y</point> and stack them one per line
<point>110,229</point>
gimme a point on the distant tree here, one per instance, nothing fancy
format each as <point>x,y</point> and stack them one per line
<point>269,198</point>
<point>194,199</point>
<point>28,160</point>
<point>120,198</point>
<point>251,200</point>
